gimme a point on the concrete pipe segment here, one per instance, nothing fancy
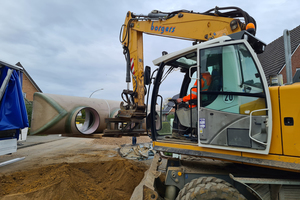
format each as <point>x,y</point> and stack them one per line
<point>57,114</point>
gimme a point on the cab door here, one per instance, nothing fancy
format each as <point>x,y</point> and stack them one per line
<point>235,110</point>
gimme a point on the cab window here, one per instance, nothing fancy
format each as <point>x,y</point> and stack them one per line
<point>236,85</point>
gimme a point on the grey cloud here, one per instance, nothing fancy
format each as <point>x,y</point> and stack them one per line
<point>72,47</point>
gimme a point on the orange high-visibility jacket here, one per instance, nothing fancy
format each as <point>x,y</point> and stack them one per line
<point>205,83</point>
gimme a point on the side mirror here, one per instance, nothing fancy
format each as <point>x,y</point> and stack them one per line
<point>147,73</point>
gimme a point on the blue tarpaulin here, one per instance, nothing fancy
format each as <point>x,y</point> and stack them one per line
<point>13,113</point>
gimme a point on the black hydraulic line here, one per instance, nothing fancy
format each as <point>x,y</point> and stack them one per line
<point>122,96</point>
<point>127,32</point>
<point>236,12</point>
<point>166,74</point>
<point>233,12</point>
<point>127,53</point>
<point>121,30</point>
<point>126,50</point>
<point>128,67</point>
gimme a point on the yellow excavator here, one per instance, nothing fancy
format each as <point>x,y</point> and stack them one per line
<point>239,139</point>
<point>183,24</point>
<point>239,120</point>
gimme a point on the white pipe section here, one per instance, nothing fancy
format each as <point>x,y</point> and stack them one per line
<point>56,114</point>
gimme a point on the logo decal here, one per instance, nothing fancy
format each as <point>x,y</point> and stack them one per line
<point>162,29</point>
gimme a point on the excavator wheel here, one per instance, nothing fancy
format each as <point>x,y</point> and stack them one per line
<point>209,188</point>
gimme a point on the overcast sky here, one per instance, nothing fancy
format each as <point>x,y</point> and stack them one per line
<point>72,47</point>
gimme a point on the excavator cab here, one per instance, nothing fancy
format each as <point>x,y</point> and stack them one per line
<point>234,112</point>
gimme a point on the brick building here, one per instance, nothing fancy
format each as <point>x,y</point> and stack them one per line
<point>273,58</point>
<point>29,86</point>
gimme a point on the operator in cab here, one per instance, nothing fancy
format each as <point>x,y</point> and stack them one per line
<point>182,127</point>
<point>205,83</point>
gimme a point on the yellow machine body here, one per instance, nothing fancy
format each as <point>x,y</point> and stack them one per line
<point>285,143</point>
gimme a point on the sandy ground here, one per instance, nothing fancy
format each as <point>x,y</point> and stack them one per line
<point>72,168</point>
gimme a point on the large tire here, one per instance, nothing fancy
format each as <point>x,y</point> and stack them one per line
<point>209,188</point>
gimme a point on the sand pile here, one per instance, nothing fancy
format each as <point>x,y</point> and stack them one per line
<point>114,179</point>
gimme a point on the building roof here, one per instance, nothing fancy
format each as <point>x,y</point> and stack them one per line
<point>273,58</point>
<point>29,77</point>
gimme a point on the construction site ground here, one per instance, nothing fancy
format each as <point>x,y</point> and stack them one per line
<point>71,168</point>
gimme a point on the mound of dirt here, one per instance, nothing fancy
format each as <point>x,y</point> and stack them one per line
<point>114,179</point>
